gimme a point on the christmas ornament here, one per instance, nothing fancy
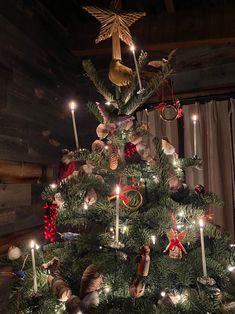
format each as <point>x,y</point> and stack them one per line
<point>97,146</point>
<point>135,137</point>
<point>169,112</point>
<point>68,236</point>
<point>90,197</point>
<point>113,160</point>
<point>99,178</point>
<point>130,150</point>
<point>49,222</point>
<point>130,196</point>
<point>58,200</point>
<point>87,168</point>
<point>116,25</point>
<point>102,131</point>
<point>59,287</point>
<point>66,167</point>
<point>119,74</point>
<point>103,112</point>
<point>175,247</point>
<point>144,261</point>
<point>167,147</point>
<point>199,189</point>
<point>14,253</point>
<point>137,288</point>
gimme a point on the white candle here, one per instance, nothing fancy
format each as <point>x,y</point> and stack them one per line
<point>194,118</point>
<point>201,224</point>
<point>72,107</point>
<point>35,285</point>
<point>137,69</point>
<point>117,214</point>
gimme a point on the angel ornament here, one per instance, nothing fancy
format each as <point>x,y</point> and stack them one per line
<point>175,247</point>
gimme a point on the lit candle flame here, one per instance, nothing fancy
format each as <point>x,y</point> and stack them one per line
<point>117,190</point>
<point>194,118</point>
<point>53,185</point>
<point>32,244</point>
<point>132,48</point>
<point>72,105</point>
<point>153,238</point>
<point>201,223</point>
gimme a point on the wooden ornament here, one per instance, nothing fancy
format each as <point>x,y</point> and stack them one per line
<point>97,146</point>
<point>14,253</point>
<point>135,137</point>
<point>102,131</point>
<point>167,147</point>
<point>61,289</point>
<point>136,288</point>
<point>91,197</point>
<point>91,280</point>
<point>144,261</point>
<point>73,305</point>
<point>113,160</point>
<point>119,74</point>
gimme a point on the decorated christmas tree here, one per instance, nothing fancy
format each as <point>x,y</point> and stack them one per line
<point>123,232</point>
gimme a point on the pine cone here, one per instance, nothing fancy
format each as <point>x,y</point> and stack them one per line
<point>113,161</point>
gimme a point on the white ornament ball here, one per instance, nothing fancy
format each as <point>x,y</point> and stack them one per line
<point>14,253</point>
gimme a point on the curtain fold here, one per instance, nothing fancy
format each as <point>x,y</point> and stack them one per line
<point>215,139</point>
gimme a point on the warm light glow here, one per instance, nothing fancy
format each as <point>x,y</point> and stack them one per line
<point>117,190</point>
<point>108,103</point>
<point>106,147</point>
<point>153,238</point>
<point>37,246</point>
<point>125,228</point>
<point>111,229</point>
<point>132,48</point>
<point>32,244</point>
<point>181,214</point>
<point>107,289</point>
<point>85,206</point>
<point>231,268</point>
<point>163,293</point>
<point>194,118</point>
<point>232,245</point>
<point>100,247</point>
<point>178,227</point>
<point>201,223</point>
<point>72,105</point>
<point>53,185</point>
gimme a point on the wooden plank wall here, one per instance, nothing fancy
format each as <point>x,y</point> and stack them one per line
<point>35,85</point>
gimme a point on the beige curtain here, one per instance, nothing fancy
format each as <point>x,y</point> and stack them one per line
<point>215,144</point>
<point>159,128</point>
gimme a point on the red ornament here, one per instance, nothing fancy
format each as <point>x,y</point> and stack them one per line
<point>66,170</point>
<point>49,222</point>
<point>130,150</point>
<point>199,189</point>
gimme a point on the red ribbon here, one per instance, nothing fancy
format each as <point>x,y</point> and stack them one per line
<point>160,107</point>
<point>175,243</point>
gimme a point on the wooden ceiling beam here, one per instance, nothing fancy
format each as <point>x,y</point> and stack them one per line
<point>158,46</point>
<point>164,32</point>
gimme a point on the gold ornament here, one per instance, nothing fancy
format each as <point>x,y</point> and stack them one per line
<point>113,161</point>
<point>169,113</point>
<point>134,202</point>
<point>119,74</point>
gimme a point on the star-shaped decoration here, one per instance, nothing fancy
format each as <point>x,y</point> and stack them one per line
<point>114,23</point>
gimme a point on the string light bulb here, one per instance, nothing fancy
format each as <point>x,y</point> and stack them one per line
<point>153,238</point>
<point>163,294</point>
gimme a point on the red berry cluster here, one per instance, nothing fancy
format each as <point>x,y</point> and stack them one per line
<point>130,150</point>
<point>49,222</point>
